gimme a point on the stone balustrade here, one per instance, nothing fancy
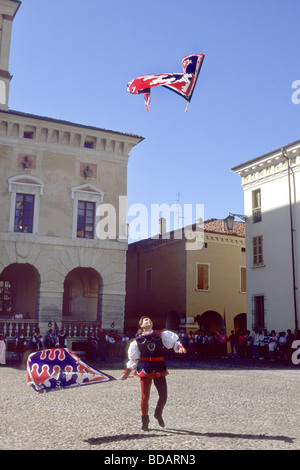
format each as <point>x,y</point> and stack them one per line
<point>75,330</point>
<point>12,327</point>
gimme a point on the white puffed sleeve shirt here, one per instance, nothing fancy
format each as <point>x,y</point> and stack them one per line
<point>169,338</point>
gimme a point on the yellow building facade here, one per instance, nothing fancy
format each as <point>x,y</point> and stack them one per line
<point>181,288</point>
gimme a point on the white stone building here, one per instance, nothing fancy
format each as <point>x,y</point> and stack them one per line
<point>55,177</point>
<point>271,185</point>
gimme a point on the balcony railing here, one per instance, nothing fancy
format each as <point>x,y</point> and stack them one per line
<point>12,327</point>
<point>80,329</point>
<point>75,330</point>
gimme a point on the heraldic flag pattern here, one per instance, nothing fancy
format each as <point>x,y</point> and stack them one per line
<point>181,83</point>
<point>57,369</point>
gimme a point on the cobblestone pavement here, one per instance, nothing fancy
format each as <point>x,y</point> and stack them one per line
<point>212,405</point>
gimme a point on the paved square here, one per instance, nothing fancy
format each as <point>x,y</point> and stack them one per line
<point>211,405</point>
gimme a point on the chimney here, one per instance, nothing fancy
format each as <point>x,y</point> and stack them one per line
<point>162,223</point>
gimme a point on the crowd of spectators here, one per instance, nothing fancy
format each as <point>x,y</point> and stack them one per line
<point>260,344</point>
<point>101,345</point>
<point>105,345</point>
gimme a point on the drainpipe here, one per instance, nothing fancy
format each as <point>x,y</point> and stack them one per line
<point>290,171</point>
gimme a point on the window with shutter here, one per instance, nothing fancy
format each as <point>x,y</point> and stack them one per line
<point>202,276</point>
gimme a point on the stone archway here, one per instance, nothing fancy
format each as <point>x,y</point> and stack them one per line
<point>82,298</point>
<point>211,321</point>
<point>240,322</point>
<point>20,290</point>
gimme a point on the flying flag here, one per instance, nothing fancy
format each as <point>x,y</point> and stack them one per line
<point>181,83</point>
<point>57,369</point>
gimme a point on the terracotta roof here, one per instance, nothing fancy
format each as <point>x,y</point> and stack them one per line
<point>210,226</point>
<point>217,226</point>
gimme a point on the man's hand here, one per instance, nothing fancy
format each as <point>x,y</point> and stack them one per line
<point>125,375</point>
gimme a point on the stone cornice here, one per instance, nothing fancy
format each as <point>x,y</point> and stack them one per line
<point>50,134</point>
<point>227,239</point>
<point>35,117</point>
<point>292,147</point>
<point>62,243</point>
<point>10,8</point>
<point>270,166</point>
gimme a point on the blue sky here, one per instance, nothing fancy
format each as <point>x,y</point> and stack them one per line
<point>73,59</point>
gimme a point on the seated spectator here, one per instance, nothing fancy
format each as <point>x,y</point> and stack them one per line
<point>102,343</point>
<point>62,339</point>
<point>110,344</point>
<point>51,340</point>
<point>92,346</point>
<point>20,344</point>
<point>17,316</point>
<point>37,340</point>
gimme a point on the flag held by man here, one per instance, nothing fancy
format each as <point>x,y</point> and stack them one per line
<point>57,369</point>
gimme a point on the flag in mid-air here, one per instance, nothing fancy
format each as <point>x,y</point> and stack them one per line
<point>56,369</point>
<point>182,83</point>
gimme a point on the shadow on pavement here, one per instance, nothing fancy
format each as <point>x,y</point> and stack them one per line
<point>225,435</point>
<point>232,435</point>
